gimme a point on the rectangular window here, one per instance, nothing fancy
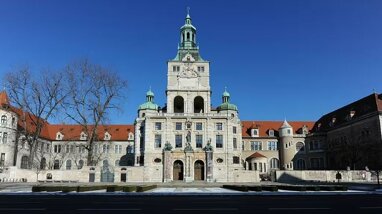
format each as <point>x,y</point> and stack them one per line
<point>72,148</point>
<point>234,129</point>
<point>158,126</point>
<point>260,167</point>
<point>271,133</point>
<point>219,126</point>
<point>272,145</point>
<point>5,136</point>
<point>256,145</point>
<point>67,148</point>
<point>116,149</point>
<point>199,126</point>
<point>178,126</point>
<point>236,160</point>
<point>175,68</point>
<point>234,140</point>
<point>57,148</point>
<point>2,160</point>
<point>314,145</point>
<point>199,141</point>
<point>242,145</point>
<point>201,68</point>
<point>219,141</point>
<point>158,141</point>
<point>178,141</point>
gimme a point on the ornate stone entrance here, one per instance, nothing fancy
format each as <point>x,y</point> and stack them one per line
<point>178,170</point>
<point>199,170</point>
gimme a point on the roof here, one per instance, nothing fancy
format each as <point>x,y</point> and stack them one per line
<point>4,100</point>
<point>73,132</point>
<point>227,106</point>
<point>357,109</point>
<point>265,126</point>
<point>256,155</point>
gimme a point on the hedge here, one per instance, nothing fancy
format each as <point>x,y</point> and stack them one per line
<point>145,188</point>
<point>129,189</point>
<point>313,188</point>
<point>293,188</point>
<point>270,188</point>
<point>255,188</point>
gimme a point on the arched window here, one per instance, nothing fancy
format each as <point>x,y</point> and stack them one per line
<point>274,163</point>
<point>56,164</point>
<point>43,164</point>
<point>188,36</point>
<point>178,104</point>
<point>300,147</point>
<point>198,104</point>
<point>300,164</point>
<point>68,165</point>
<point>105,163</point>
<point>24,162</point>
<point>3,120</point>
<point>80,164</point>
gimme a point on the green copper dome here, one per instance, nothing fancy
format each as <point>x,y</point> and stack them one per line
<point>149,104</point>
<point>227,106</point>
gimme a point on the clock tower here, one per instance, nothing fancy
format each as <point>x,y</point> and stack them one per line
<point>188,85</point>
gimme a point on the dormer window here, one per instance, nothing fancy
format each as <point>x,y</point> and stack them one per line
<point>175,68</point>
<point>288,131</point>
<point>255,132</point>
<point>107,136</point>
<point>131,136</point>
<point>352,113</point>
<point>59,136</point>
<point>332,122</point>
<point>271,133</point>
<point>83,136</point>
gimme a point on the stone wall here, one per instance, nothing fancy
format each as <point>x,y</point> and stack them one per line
<point>322,175</point>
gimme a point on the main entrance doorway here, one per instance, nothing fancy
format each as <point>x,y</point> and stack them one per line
<point>178,170</point>
<point>199,170</point>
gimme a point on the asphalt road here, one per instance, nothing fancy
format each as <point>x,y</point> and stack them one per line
<point>62,203</point>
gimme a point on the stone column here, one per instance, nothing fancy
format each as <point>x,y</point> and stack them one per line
<point>209,165</point>
<point>167,166</point>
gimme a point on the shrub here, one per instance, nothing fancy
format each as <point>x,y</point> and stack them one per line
<point>270,188</point>
<point>293,188</point>
<point>129,188</point>
<point>255,188</point>
<point>236,187</point>
<point>313,188</point>
<point>145,188</point>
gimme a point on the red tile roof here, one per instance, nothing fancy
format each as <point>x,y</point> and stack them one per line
<point>265,126</point>
<point>73,132</point>
<point>256,155</point>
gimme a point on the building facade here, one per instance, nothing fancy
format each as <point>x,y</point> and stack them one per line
<point>190,140</point>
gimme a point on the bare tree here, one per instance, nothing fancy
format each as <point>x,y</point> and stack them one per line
<point>36,100</point>
<point>94,92</point>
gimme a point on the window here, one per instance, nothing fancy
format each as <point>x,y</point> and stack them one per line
<point>234,129</point>
<point>43,163</point>
<point>68,165</point>
<point>178,141</point>
<point>118,149</point>
<point>95,149</point>
<point>3,120</point>
<point>300,147</point>
<point>5,137</point>
<point>316,163</point>
<point>260,167</point>
<point>130,149</point>
<point>158,141</point>
<point>158,126</point>
<point>56,164</point>
<point>314,145</point>
<point>201,68</point>
<point>80,164</point>
<point>272,145</point>
<point>199,126</point>
<point>219,126</point>
<point>24,162</point>
<point>256,145</point>
<point>274,163</point>
<point>236,160</point>
<point>219,141</point>
<point>300,164</point>
<point>288,131</point>
<point>219,160</point>
<point>57,148</point>
<point>178,126</point>
<point>234,141</point>
<point>175,68</point>
<point>199,141</point>
<point>67,150</point>
<point>271,133</point>
<point>2,159</point>
<point>13,121</point>
<point>242,145</point>
<point>157,160</point>
<point>254,132</point>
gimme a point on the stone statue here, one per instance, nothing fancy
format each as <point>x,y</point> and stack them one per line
<point>167,147</point>
<point>188,137</point>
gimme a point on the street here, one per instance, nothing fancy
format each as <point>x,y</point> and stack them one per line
<point>119,203</point>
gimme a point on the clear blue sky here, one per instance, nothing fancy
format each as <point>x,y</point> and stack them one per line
<point>294,59</point>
